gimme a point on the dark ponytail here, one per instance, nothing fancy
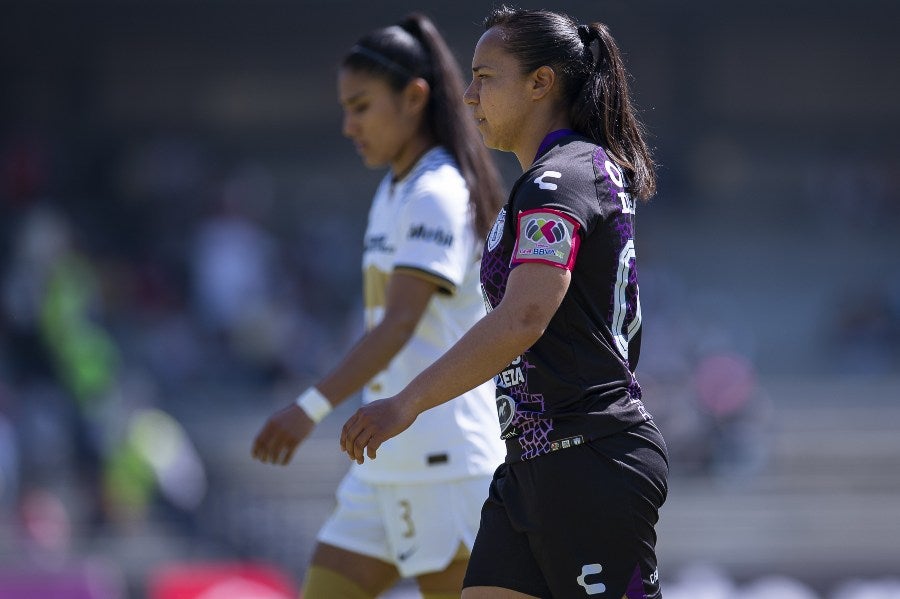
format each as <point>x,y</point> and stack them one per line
<point>415,48</point>
<point>594,82</point>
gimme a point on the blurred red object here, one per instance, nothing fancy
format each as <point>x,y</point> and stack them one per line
<point>228,580</point>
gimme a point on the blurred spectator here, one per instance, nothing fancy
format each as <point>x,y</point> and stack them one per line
<point>699,382</point>
<point>46,527</point>
<point>155,458</point>
<point>736,413</point>
<point>233,266</point>
<point>53,305</point>
<point>865,334</point>
<point>24,170</point>
<point>9,461</point>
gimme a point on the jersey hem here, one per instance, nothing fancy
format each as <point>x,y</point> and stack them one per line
<point>444,284</point>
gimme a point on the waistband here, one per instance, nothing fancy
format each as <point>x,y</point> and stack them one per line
<point>516,453</point>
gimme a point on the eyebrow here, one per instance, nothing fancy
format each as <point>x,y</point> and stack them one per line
<point>479,67</point>
<point>353,98</point>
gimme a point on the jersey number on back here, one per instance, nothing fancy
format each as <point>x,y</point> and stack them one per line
<point>623,329</point>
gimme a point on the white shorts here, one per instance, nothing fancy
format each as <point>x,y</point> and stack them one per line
<point>418,528</point>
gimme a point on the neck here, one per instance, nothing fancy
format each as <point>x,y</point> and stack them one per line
<point>410,155</point>
<point>532,141</point>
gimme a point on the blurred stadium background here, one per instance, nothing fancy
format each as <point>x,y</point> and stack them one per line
<point>180,233</point>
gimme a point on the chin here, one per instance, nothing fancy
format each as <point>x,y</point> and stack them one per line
<point>372,162</point>
<point>493,144</point>
<point>486,138</point>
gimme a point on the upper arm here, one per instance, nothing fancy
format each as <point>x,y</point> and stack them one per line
<point>534,293</point>
<point>407,299</point>
<point>436,239</point>
<point>552,219</point>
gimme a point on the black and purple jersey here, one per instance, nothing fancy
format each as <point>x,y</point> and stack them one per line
<point>572,210</point>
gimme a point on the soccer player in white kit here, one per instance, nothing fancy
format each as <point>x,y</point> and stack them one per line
<point>415,511</point>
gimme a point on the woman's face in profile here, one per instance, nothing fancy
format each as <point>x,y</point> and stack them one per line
<point>376,117</point>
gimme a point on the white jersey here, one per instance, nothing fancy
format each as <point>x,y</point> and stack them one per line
<point>423,225</point>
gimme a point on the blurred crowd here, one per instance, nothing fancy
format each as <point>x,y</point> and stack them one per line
<point>122,292</point>
<point>133,277</point>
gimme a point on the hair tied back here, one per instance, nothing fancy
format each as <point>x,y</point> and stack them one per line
<point>586,34</point>
<point>382,60</point>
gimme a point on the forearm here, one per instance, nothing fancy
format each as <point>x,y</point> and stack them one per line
<point>493,343</point>
<point>496,340</point>
<point>486,349</point>
<point>371,354</point>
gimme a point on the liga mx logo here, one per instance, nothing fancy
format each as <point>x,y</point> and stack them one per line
<point>497,230</point>
<point>551,230</point>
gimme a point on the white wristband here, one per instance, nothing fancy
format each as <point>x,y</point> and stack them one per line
<point>314,404</point>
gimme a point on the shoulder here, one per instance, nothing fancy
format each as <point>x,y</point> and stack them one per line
<point>573,157</point>
<point>576,172</point>
<point>436,181</point>
<point>437,171</point>
<point>564,174</point>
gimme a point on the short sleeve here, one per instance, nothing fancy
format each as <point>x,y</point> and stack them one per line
<point>435,238</point>
<point>553,209</point>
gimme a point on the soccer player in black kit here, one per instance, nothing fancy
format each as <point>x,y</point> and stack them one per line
<point>571,513</point>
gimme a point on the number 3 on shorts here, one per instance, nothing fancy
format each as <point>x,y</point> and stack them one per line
<point>406,516</point>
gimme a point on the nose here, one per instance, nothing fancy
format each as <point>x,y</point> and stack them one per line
<point>470,96</point>
<point>348,125</point>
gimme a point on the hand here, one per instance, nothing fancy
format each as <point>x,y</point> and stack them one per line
<point>284,431</point>
<point>375,423</point>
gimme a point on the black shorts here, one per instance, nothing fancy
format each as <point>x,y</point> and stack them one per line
<point>576,522</point>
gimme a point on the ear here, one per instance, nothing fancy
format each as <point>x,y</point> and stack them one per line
<point>416,94</point>
<point>543,81</point>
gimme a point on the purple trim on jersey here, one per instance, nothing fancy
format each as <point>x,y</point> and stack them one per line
<point>636,585</point>
<point>623,223</point>
<point>529,422</point>
<point>634,388</point>
<point>550,139</point>
<point>548,409</point>
<point>494,271</point>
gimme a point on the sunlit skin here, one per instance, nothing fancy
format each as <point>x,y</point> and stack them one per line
<point>513,111</point>
<point>383,124</point>
<point>388,128</point>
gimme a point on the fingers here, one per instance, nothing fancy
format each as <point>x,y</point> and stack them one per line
<point>356,436</point>
<point>274,446</point>
<point>353,440</point>
<point>260,444</point>
<point>373,445</point>
<point>287,449</point>
<point>349,432</point>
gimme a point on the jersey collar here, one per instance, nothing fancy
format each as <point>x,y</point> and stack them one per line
<point>550,139</point>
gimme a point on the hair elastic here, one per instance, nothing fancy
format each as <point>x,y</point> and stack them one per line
<point>586,34</point>
<point>382,60</point>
